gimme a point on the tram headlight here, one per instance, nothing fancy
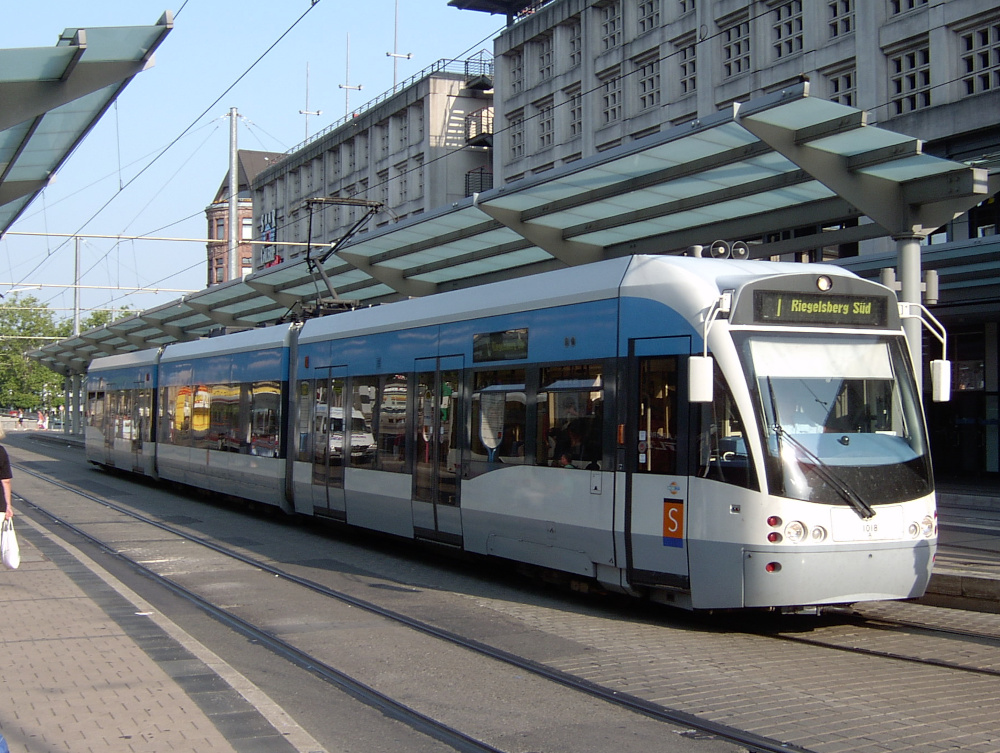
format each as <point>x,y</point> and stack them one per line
<point>927,526</point>
<point>796,532</point>
<point>817,534</point>
<point>914,530</point>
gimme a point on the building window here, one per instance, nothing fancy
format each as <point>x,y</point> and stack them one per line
<point>545,58</point>
<point>246,232</point>
<point>840,18</point>
<point>382,186</point>
<point>736,49</point>
<point>611,95</point>
<point>401,183</point>
<point>515,129</point>
<point>686,6</point>
<point>842,87</point>
<point>649,15</point>
<point>611,25</point>
<point>648,82</point>
<point>545,117</point>
<point>910,79</point>
<point>788,29</point>
<point>349,155</point>
<point>575,101</point>
<point>688,66</point>
<point>575,44</point>
<point>418,171</point>
<point>515,65</point>
<point>383,134</point>
<point>404,129</point>
<point>901,6</point>
<point>981,58</point>
<point>220,228</point>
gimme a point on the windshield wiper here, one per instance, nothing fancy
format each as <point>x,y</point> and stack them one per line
<point>831,477</point>
<point>824,471</point>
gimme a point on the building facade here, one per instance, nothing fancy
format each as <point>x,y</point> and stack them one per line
<point>577,77</point>
<point>422,145</point>
<point>249,163</point>
<point>616,70</point>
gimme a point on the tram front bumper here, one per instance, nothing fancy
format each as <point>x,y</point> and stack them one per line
<point>802,576</point>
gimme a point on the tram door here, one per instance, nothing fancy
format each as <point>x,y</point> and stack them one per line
<point>141,410</point>
<point>656,489</point>
<point>437,461</point>
<point>331,444</point>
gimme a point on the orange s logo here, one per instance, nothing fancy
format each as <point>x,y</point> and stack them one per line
<point>673,523</point>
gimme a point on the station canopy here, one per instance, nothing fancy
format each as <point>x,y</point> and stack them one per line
<point>53,96</point>
<point>810,162</point>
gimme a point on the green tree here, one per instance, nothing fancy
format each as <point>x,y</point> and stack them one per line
<point>99,318</point>
<point>27,324</point>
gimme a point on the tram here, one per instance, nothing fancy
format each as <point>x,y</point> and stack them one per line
<point>712,434</point>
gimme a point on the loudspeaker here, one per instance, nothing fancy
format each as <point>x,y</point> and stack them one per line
<point>719,250</point>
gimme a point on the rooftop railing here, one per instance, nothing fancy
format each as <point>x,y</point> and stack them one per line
<point>478,65</point>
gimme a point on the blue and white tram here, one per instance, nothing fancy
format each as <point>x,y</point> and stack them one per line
<point>709,433</point>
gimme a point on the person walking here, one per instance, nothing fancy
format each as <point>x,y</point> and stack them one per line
<point>5,480</point>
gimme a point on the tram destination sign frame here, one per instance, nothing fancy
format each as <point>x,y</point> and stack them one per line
<point>820,309</point>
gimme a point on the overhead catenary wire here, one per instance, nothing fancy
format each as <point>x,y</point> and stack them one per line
<point>590,91</point>
<point>189,127</point>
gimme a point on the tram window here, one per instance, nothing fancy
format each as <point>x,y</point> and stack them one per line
<point>223,417</point>
<point>391,428</point>
<point>95,409</point>
<point>166,423</point>
<point>499,419</point>
<point>363,437</point>
<point>304,410</point>
<point>723,453</point>
<point>125,425</point>
<point>143,410</point>
<point>657,419</point>
<point>201,417</point>
<point>175,428</point>
<point>265,418</point>
<point>570,417</point>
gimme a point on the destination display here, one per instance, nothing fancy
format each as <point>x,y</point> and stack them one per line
<point>783,307</point>
<point>510,345</point>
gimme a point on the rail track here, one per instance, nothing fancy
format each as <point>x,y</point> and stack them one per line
<point>394,708</point>
<point>900,636</point>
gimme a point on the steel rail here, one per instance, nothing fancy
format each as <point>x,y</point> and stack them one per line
<point>752,742</point>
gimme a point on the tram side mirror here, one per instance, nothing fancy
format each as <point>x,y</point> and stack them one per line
<point>941,381</point>
<point>701,378</point>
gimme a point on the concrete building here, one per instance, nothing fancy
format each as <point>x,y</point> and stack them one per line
<point>249,164</point>
<point>422,145</point>
<point>578,77</point>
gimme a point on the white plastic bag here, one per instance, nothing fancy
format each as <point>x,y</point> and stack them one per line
<point>10,552</point>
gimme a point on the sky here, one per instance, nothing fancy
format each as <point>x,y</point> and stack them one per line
<point>159,161</point>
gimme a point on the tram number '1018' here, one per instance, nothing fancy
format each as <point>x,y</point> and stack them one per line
<point>673,522</point>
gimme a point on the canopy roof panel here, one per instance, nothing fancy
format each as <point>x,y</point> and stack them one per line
<point>695,183</point>
<point>54,96</point>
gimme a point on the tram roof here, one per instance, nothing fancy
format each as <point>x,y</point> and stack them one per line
<point>778,161</point>
<point>53,97</point>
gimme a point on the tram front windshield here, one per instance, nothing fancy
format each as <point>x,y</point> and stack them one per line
<point>841,418</point>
